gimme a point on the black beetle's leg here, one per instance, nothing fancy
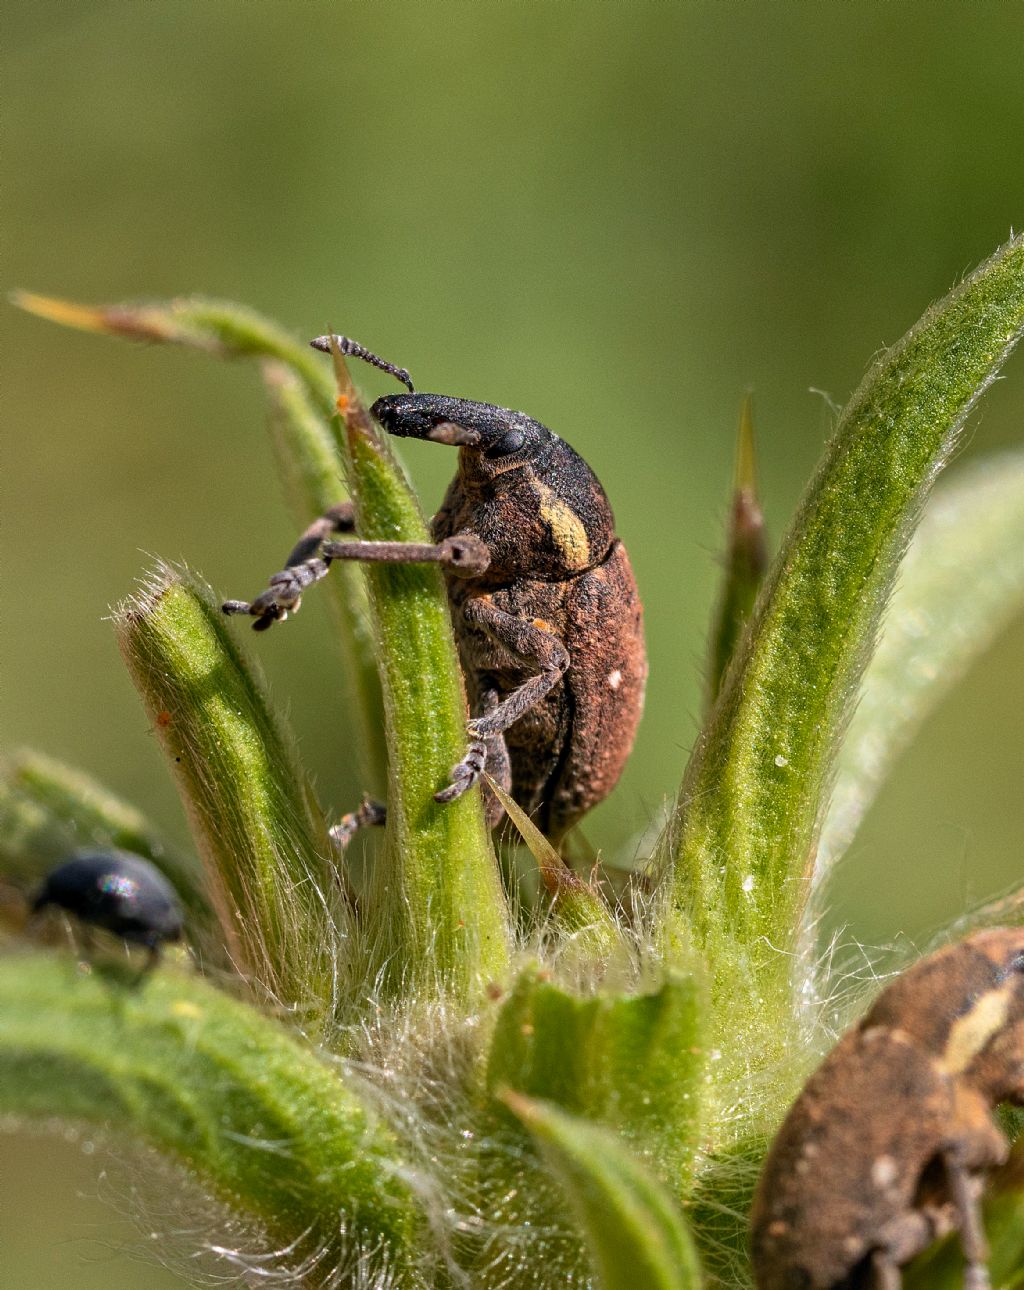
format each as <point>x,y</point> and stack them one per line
<point>368,814</point>
<point>529,642</point>
<point>965,1193</point>
<point>303,567</point>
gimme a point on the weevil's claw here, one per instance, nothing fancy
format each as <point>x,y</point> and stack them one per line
<point>466,773</point>
<point>283,595</point>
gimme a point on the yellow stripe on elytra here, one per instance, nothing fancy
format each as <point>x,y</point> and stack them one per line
<point>566,527</point>
<point>969,1034</point>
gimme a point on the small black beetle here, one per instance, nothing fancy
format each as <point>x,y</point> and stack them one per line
<point>544,604</point>
<point>118,891</point>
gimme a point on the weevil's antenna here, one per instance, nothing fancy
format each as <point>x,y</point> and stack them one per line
<point>352,349</point>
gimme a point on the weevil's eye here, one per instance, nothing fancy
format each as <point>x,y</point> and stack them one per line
<point>511,441</point>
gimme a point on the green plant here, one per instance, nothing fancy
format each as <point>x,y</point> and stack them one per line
<point>414,1076</point>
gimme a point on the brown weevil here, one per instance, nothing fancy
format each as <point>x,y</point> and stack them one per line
<point>544,604</point>
<point>888,1145</point>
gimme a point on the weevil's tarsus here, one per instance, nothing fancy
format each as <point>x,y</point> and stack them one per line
<point>352,349</point>
<point>965,1190</point>
<point>304,567</point>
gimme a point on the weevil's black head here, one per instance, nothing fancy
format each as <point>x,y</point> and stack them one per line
<point>522,489</point>
<point>500,437</point>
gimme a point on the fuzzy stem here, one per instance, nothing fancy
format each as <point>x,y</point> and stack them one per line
<point>255,821</point>
<point>439,913</point>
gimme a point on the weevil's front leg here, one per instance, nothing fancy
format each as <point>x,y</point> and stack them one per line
<point>303,567</point>
<point>464,554</point>
<point>535,646</point>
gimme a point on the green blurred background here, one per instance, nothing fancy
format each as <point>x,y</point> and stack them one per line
<point>617,217</point>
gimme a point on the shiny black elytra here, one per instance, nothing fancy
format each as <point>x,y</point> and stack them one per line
<point>544,605</point>
<point>119,892</point>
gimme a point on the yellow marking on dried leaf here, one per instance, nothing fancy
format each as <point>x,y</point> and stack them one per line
<point>566,527</point>
<point>969,1034</point>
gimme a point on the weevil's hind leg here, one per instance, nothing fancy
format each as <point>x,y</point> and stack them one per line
<point>304,566</point>
<point>369,814</point>
<point>885,1272</point>
<point>965,1191</point>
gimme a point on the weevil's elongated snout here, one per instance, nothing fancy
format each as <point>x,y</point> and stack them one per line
<point>443,419</point>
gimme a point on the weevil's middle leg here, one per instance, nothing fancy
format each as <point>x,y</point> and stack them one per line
<point>532,644</point>
<point>965,1190</point>
<point>490,754</point>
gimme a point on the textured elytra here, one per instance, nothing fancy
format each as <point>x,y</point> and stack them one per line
<point>888,1145</point>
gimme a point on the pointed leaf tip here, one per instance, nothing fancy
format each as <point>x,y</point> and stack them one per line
<point>634,1230</point>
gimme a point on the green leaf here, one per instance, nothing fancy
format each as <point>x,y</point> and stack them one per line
<point>255,821</point>
<point>746,557</point>
<point>48,809</point>
<point>745,831</point>
<point>960,584</point>
<point>226,1093</point>
<point>633,1061</point>
<point>438,914</point>
<point>634,1230</point>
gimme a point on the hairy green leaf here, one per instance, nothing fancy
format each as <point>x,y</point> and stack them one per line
<point>960,584</point>
<point>256,1118</point>
<point>744,835</point>
<point>635,1232</point>
<point>634,1061</point>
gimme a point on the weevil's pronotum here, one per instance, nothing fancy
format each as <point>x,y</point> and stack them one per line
<point>888,1145</point>
<point>120,892</point>
<point>544,604</point>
